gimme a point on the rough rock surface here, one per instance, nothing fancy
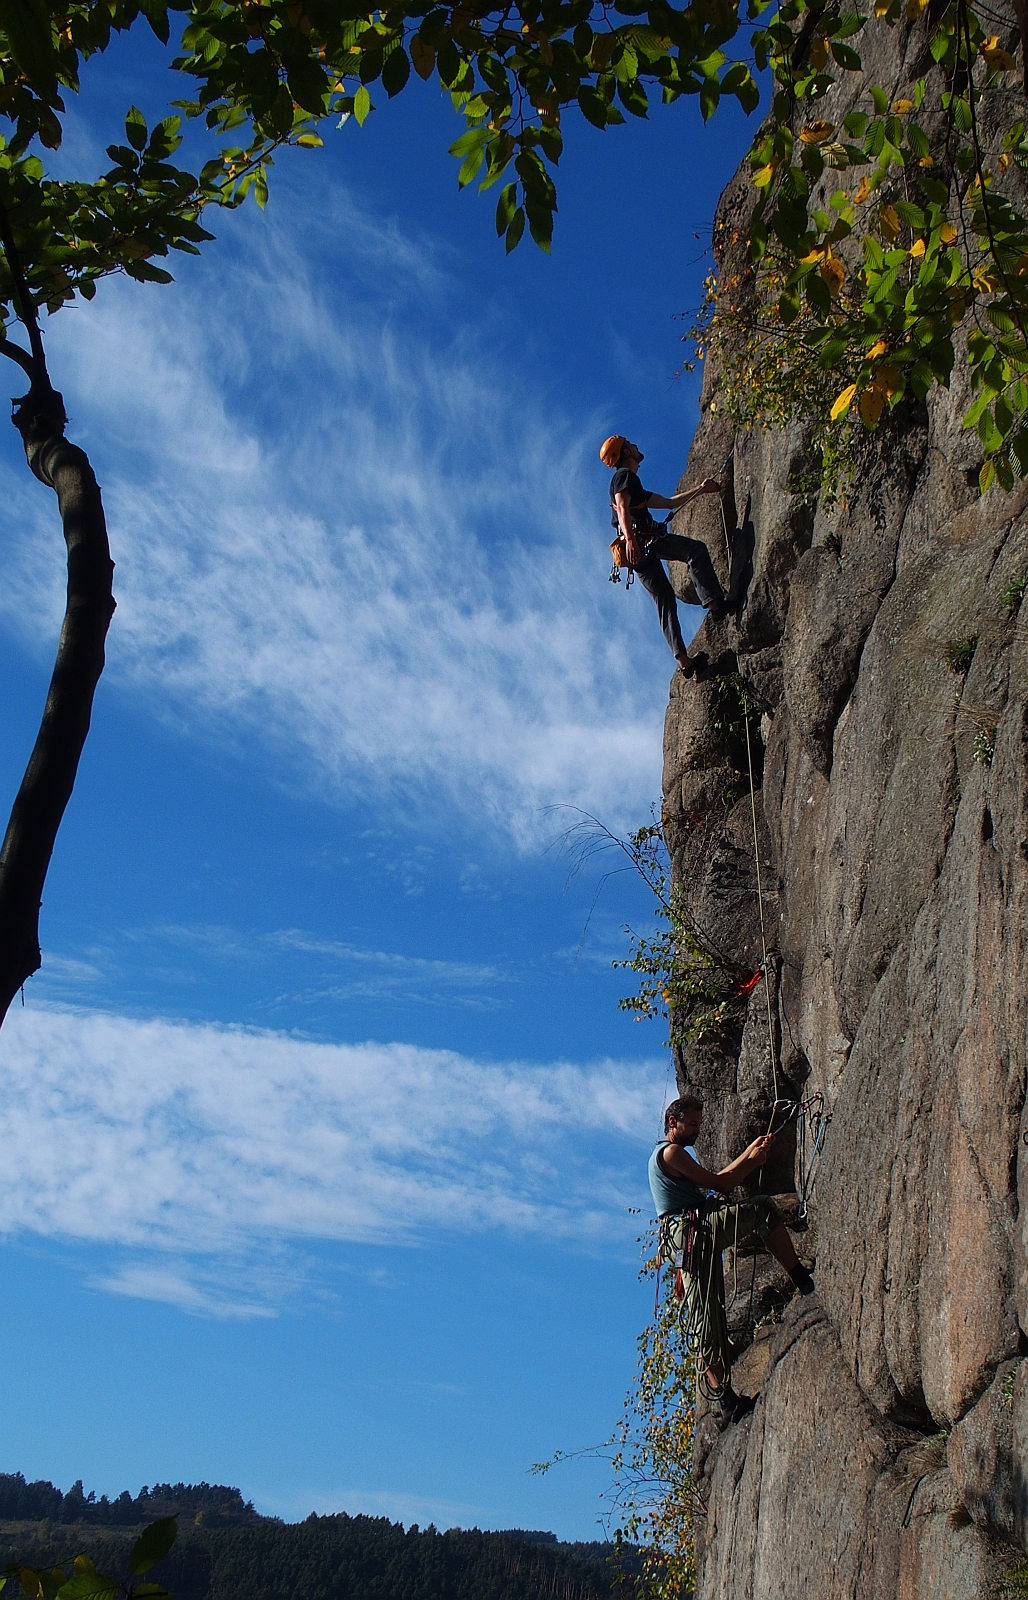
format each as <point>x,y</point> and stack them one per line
<point>888,1452</point>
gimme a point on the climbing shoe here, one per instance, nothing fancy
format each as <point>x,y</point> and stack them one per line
<point>719,612</point>
<point>801,1277</point>
<point>732,1406</point>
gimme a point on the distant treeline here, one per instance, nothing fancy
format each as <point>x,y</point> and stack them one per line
<point>228,1551</point>
<point>42,1501</point>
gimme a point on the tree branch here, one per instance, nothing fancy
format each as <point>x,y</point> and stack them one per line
<point>16,353</point>
<point>50,776</point>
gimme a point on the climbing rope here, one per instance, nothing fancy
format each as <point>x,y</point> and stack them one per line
<point>756,836</point>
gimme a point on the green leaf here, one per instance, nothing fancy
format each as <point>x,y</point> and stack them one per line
<point>506,206</point>
<point>593,106</point>
<point>89,1586</point>
<point>395,71</point>
<point>911,214</point>
<point>710,94</point>
<point>362,106</point>
<point>917,141</point>
<point>30,41</point>
<point>847,57</point>
<point>153,1545</point>
<point>881,100</point>
<point>986,476</point>
<point>874,141</point>
<point>1004,473</point>
<point>515,230</point>
<point>135,128</point>
<point>1019,447</point>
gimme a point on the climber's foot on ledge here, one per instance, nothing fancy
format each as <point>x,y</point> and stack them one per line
<point>718,612</point>
<point>801,1277</point>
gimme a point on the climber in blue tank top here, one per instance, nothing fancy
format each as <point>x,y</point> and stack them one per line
<point>681,1186</point>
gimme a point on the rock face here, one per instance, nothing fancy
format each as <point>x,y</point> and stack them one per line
<point>888,1453</point>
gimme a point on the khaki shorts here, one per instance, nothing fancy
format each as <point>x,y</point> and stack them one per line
<point>705,1291</point>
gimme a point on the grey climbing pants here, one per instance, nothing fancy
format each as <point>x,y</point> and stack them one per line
<point>705,1290</point>
<point>651,574</point>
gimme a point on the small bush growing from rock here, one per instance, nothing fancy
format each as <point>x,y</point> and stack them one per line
<point>984,747</point>
<point>1012,593</point>
<point>1015,1580</point>
<point>960,651</point>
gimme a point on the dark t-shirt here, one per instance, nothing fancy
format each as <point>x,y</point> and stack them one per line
<point>626,482</point>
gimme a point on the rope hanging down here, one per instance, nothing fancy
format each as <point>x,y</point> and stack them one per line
<point>756,848</point>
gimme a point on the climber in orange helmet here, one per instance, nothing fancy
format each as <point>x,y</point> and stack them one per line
<point>647,544</point>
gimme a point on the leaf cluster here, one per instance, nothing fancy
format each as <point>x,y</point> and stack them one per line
<point>86,1583</point>
<point>683,977</point>
<point>883,280</point>
<point>655,1498</point>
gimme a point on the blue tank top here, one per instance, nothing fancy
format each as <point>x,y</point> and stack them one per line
<point>670,1191</point>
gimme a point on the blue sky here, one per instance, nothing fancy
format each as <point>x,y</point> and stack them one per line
<point>322,1127</point>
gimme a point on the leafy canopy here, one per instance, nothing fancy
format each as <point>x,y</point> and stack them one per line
<point>874,276</point>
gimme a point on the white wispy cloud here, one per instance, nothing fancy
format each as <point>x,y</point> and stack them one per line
<point>343,530</point>
<point>214,1156</point>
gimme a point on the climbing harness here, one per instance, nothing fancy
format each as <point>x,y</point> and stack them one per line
<point>619,554</point>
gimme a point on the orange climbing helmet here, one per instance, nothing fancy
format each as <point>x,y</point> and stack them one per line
<point>610,449</point>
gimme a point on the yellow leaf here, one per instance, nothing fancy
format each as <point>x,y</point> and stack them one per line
<point>917,248</point>
<point>813,258</point>
<point>843,402</point>
<point>819,53</point>
<point>982,280</point>
<point>863,190</point>
<point>889,222</point>
<point>901,107</point>
<point>889,379</point>
<point>817,132</point>
<point>833,273</point>
<point>871,403</point>
<point>877,349</point>
<point>1003,162</point>
<point>995,57</point>
<point>926,161</point>
<point>915,8</point>
<point>948,233</point>
<point>882,7</point>
<point>762,178</point>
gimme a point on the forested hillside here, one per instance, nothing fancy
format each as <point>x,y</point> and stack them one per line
<point>226,1550</point>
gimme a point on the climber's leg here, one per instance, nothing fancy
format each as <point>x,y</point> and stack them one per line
<point>676,547</point>
<point>759,1215</point>
<point>657,583</point>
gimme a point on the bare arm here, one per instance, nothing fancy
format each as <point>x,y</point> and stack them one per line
<point>658,502</point>
<point>755,1155</point>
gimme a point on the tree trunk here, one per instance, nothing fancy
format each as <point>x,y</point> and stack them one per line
<point>50,775</point>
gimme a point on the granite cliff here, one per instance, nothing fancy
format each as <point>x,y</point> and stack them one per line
<point>887,1455</point>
